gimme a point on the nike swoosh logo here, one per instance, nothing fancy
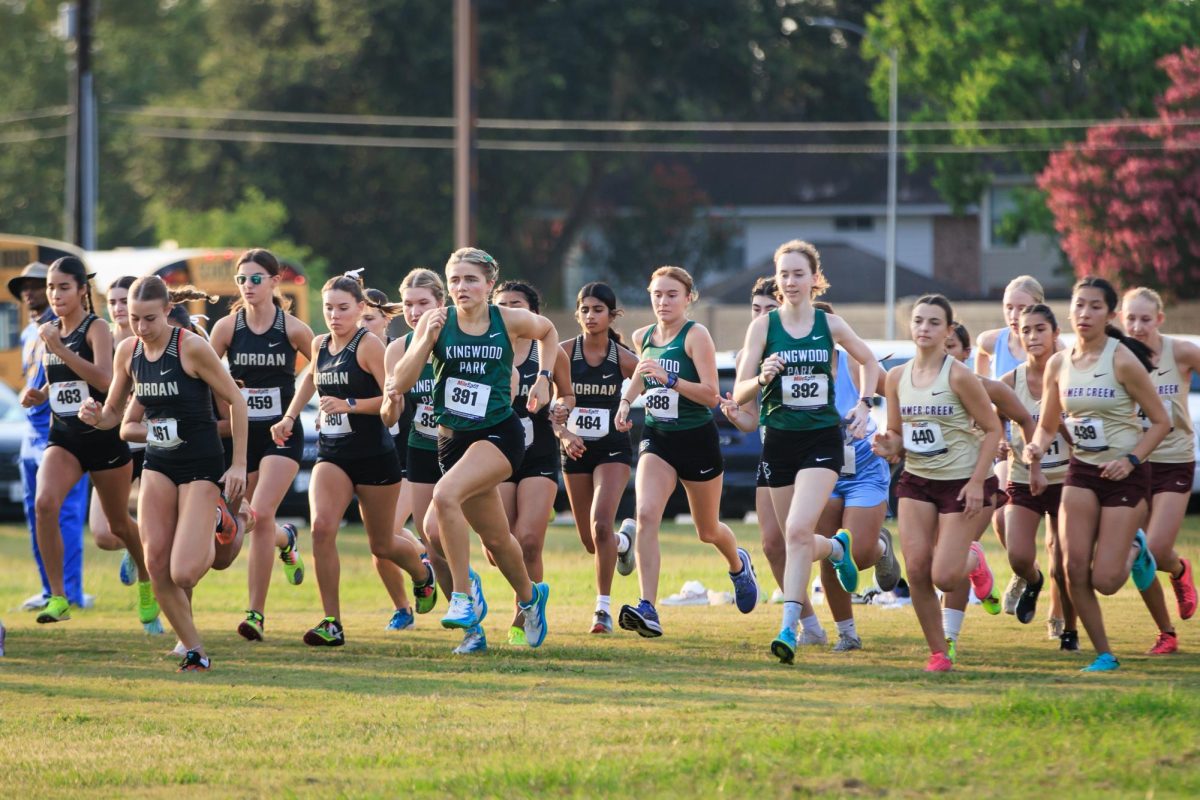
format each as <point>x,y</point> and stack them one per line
<point>167,371</point>
<point>494,335</point>
<point>274,344</point>
<point>817,338</point>
<point>819,460</point>
<point>610,455</point>
<point>1164,371</point>
<point>1101,375</point>
<point>1124,499</point>
<point>935,394</point>
<point>546,474</point>
<point>672,347</point>
<point>114,460</point>
<point>1181,483</point>
<point>706,471</point>
<point>609,375</point>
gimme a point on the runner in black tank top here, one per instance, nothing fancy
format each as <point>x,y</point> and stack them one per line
<point>355,454</point>
<point>175,374</point>
<point>260,341</point>
<point>78,369</point>
<point>596,457</point>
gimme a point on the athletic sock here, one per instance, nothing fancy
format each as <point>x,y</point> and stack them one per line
<point>952,621</point>
<point>622,543</point>
<point>812,625</point>
<point>604,603</point>
<point>846,627</point>
<point>791,614</point>
<point>836,551</point>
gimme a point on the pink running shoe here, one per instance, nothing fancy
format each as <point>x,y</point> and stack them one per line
<point>981,577</point>
<point>939,662</point>
<point>1185,590</point>
<point>1166,644</point>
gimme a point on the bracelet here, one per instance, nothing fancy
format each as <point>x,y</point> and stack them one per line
<point>672,379</point>
<point>759,380</point>
<point>1137,462</point>
<point>545,373</point>
<point>866,401</point>
<point>289,416</point>
<point>626,402</point>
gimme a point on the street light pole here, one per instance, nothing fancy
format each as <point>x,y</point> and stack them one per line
<point>889,279</point>
<point>465,167</point>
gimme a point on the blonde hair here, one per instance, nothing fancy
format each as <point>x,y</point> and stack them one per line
<point>820,283</point>
<point>189,292</point>
<point>424,278</point>
<point>473,255</point>
<point>680,274</point>
<point>1029,285</point>
<point>1144,293</point>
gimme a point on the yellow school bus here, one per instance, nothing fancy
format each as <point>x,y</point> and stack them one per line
<point>15,253</point>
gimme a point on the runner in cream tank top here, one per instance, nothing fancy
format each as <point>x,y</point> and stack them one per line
<point>1100,413</point>
<point>1058,454</point>
<point>939,436</point>
<point>1177,447</point>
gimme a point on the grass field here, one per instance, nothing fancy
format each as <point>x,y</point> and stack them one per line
<point>90,708</point>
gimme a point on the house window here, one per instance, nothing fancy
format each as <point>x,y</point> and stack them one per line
<point>851,224</point>
<point>1001,203</point>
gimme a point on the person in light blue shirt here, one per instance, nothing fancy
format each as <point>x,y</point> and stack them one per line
<point>30,288</point>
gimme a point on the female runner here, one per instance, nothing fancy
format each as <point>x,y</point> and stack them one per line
<point>1097,383</point>
<point>678,371</point>
<point>174,375</point>
<point>1172,464</point>
<point>480,440</point>
<point>934,407</point>
<point>260,339</point>
<point>355,455</point>
<point>79,364</point>
<point>790,356</point>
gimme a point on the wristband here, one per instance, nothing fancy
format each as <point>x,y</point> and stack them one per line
<point>545,373</point>
<point>866,401</point>
<point>672,379</point>
<point>350,401</point>
<point>1137,462</point>
<point>759,381</point>
<point>626,402</point>
<point>289,416</point>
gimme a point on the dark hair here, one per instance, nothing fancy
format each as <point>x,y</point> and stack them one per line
<point>938,300</point>
<point>1043,310</point>
<point>378,300</point>
<point>822,305</point>
<point>189,292</point>
<point>765,287</point>
<point>604,293</point>
<point>149,287</point>
<point>123,282</point>
<point>1143,353</point>
<point>964,336</point>
<point>267,260</point>
<point>179,317</point>
<point>345,283</point>
<point>75,268</point>
<point>531,294</point>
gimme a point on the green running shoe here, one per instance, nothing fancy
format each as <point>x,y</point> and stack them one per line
<point>991,604</point>
<point>328,633</point>
<point>251,628</point>
<point>147,605</point>
<point>57,609</point>
<point>516,637</point>
<point>847,570</point>
<point>293,565</point>
<point>426,593</point>
<point>952,650</point>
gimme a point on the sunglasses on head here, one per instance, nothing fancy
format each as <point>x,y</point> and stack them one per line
<point>256,279</point>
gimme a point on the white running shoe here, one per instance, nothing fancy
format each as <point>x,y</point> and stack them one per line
<point>814,638</point>
<point>627,561</point>
<point>1012,593</point>
<point>35,602</point>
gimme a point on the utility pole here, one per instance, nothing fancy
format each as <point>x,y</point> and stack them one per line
<point>76,21</point>
<point>466,170</point>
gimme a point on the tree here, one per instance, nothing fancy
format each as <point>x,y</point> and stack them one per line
<point>1127,201</point>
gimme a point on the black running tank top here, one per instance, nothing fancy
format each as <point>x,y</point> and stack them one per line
<point>180,423</point>
<point>597,392</point>
<point>539,433</point>
<point>348,436</point>
<point>68,390</point>
<point>265,364</point>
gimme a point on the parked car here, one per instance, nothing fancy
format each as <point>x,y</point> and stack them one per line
<point>12,431</point>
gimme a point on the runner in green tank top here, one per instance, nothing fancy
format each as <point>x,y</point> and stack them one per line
<point>665,406</point>
<point>803,398</point>
<point>472,353</point>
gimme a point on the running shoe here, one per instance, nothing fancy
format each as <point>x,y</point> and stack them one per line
<point>147,605</point>
<point>1055,627</point>
<point>952,650</point>
<point>227,525</point>
<point>474,641</point>
<point>887,569</point>
<point>516,637</point>
<point>1105,662</point>
<point>477,598</point>
<point>179,651</point>
<point>536,625</point>
<point>745,584</point>
<point>1143,563</point>
<point>251,628</point>
<point>939,662</point>
<point>1012,593</point>
<point>426,593</point>
<point>846,643</point>
<point>601,622</point>
<point>461,613</point>
<point>1166,644</point>
<point>328,633</point>
<point>57,609</point>
<point>847,570</point>
<point>402,619</point>
<point>293,565</point>
<point>819,638</point>
<point>35,602</point>
<point>983,582</point>
<point>1026,608</point>
<point>1185,590</point>
<point>1069,641</point>
<point>128,571</point>
<point>194,662</point>
<point>784,646</point>
<point>628,560</point>
<point>642,619</point>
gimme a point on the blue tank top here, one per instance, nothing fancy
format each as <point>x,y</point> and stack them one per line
<point>846,396</point>
<point>1003,361</point>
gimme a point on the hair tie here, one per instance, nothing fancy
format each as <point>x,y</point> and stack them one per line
<point>356,274</point>
<point>197,317</point>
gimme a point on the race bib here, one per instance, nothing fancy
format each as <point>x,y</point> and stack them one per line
<point>924,439</point>
<point>423,421</point>
<point>335,425</point>
<point>588,423</point>
<point>263,403</point>
<point>466,398</point>
<point>1166,401</point>
<point>527,426</point>
<point>1056,454</point>
<point>849,461</point>
<point>1088,433</point>
<point>805,392</point>
<point>66,398</point>
<point>662,404</point>
<point>162,433</point>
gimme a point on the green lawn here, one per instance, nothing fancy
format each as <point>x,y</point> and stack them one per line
<point>90,708</point>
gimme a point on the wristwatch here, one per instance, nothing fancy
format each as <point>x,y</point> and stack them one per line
<point>1137,462</point>
<point>350,401</point>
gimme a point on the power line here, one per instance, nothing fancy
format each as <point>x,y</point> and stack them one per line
<point>33,136</point>
<point>37,113</point>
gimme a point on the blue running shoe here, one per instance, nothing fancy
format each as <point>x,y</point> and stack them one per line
<point>402,619</point>
<point>784,646</point>
<point>1144,565</point>
<point>536,626</point>
<point>642,619</point>
<point>847,570</point>
<point>474,641</point>
<point>461,613</point>
<point>477,600</point>
<point>1105,662</point>
<point>745,584</point>
<point>128,573</point>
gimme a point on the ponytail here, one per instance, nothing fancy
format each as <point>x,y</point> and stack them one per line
<point>1143,353</point>
<point>189,292</point>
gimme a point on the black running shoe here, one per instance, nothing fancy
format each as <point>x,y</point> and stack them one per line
<point>328,633</point>
<point>1068,640</point>
<point>1027,602</point>
<point>194,662</point>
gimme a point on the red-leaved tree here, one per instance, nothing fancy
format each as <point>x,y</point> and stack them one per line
<point>1127,200</point>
